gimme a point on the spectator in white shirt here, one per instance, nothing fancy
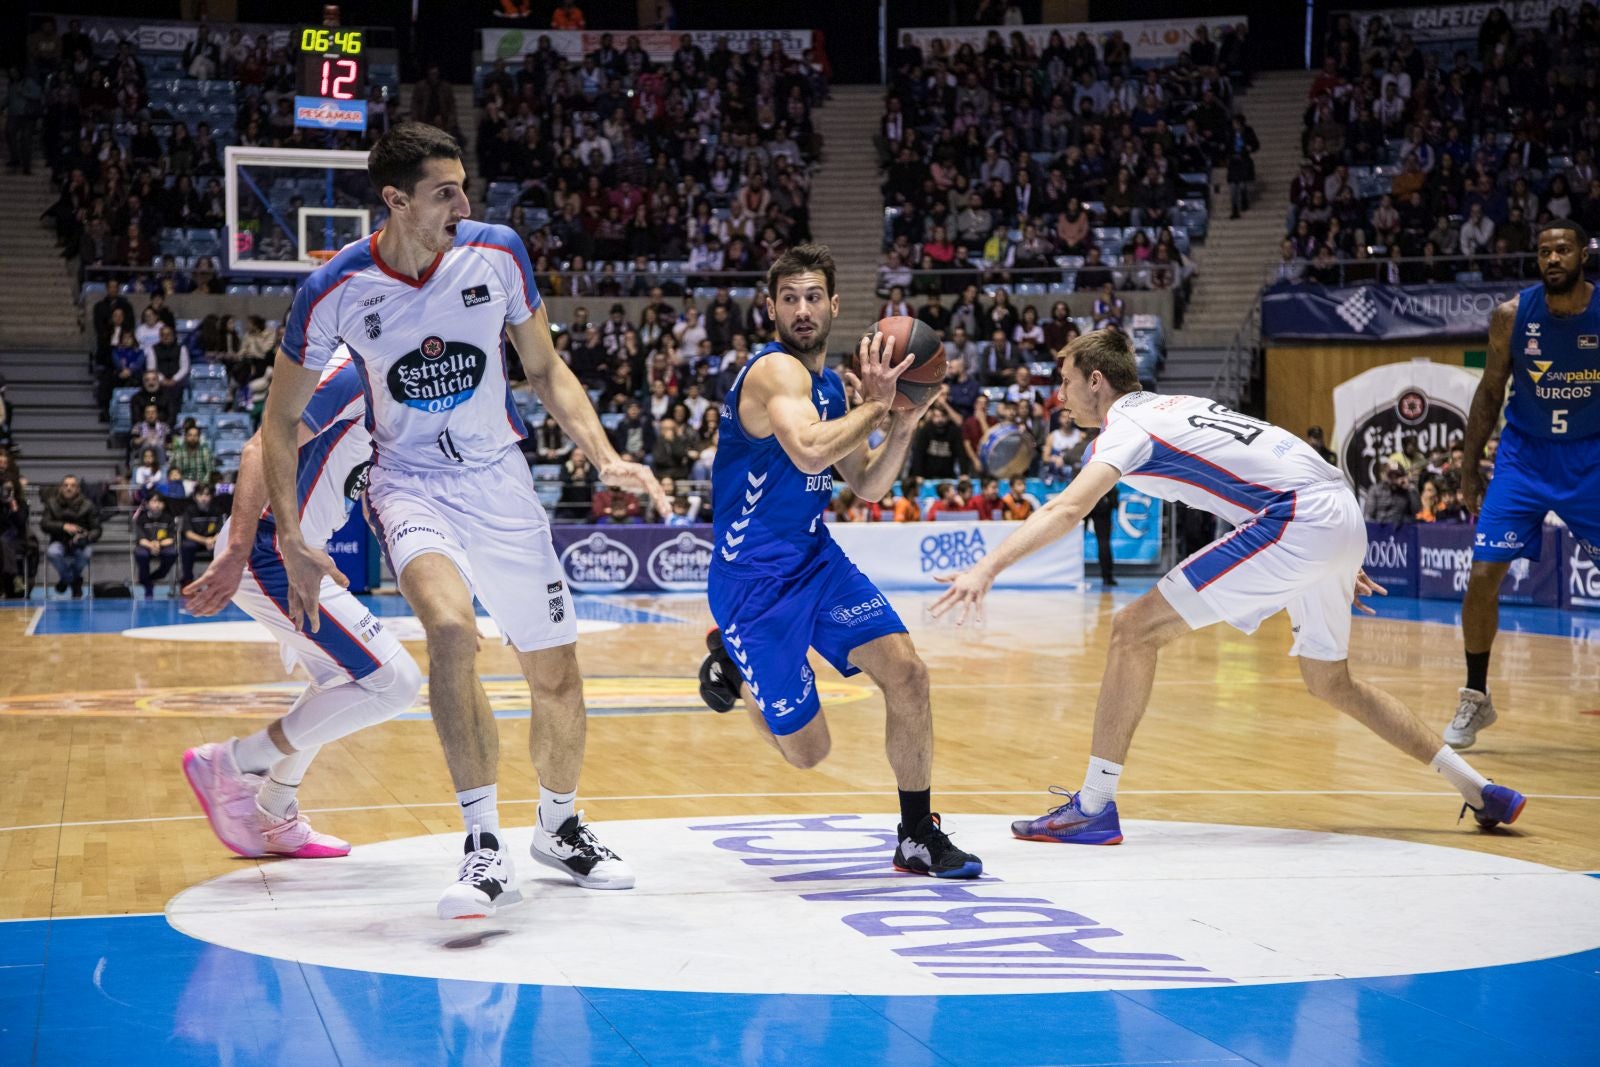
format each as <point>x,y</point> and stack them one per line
<point>593,142</point>
<point>1477,233</point>
<point>690,332</point>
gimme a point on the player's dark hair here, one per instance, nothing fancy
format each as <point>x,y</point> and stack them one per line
<point>1108,351</point>
<point>801,259</point>
<point>398,157</point>
<point>1578,232</point>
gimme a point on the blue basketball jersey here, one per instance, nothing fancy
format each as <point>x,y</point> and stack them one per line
<point>768,512</point>
<point>1555,369</point>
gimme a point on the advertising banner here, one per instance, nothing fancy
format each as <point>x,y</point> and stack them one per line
<point>1293,311</point>
<point>512,45</point>
<point>1135,531</point>
<point>1154,42</point>
<point>148,35</point>
<point>351,547</point>
<point>1444,565</point>
<point>1580,577</point>
<point>1377,409</point>
<point>1451,22</point>
<point>1392,557</point>
<point>907,555</point>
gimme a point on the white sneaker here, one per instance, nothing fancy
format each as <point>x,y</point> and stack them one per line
<point>1475,712</point>
<point>574,850</point>
<point>484,883</point>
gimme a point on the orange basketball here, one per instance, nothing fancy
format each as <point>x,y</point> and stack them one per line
<point>916,340</point>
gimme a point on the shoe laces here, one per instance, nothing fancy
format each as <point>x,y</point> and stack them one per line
<point>580,838</point>
<point>475,866</point>
<point>1072,800</point>
<point>937,839</point>
<point>1465,714</point>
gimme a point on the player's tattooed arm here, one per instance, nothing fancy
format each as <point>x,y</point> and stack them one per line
<point>1487,401</point>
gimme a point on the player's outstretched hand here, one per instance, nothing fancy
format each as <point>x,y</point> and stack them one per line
<point>967,590</point>
<point>306,566</point>
<point>878,380</point>
<point>636,477</point>
<point>210,593</point>
<point>1366,587</point>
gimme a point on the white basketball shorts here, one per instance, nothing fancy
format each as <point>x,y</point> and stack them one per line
<point>488,521</point>
<point>1302,555</point>
<point>349,643</point>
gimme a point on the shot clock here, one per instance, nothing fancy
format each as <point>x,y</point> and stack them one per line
<point>331,78</point>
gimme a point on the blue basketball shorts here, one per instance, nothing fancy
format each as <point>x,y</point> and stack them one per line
<point>1534,475</point>
<point>768,625</point>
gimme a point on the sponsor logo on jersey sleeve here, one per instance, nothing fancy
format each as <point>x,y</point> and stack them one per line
<point>478,294</point>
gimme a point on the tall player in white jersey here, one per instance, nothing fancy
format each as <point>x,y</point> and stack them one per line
<point>423,306</point>
<point>360,675</point>
<point>1298,543</point>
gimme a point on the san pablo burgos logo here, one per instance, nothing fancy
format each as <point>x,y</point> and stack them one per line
<point>1573,384</point>
<point>1379,433</point>
<point>437,374</point>
<point>683,563</point>
<point>598,564</point>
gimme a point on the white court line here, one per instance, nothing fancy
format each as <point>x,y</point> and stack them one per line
<point>841,793</point>
<point>33,623</point>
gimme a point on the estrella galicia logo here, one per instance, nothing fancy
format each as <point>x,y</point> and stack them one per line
<point>599,564</point>
<point>356,484</point>
<point>1380,432</point>
<point>374,325</point>
<point>478,294</point>
<point>437,375</point>
<point>683,563</point>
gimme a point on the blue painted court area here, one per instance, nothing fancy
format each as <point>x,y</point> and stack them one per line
<point>132,990</point>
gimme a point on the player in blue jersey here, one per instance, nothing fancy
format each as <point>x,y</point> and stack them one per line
<point>1546,345</point>
<point>780,585</point>
<point>1297,545</point>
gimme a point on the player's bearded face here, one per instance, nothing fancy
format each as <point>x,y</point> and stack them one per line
<point>1560,263</point>
<point>803,312</point>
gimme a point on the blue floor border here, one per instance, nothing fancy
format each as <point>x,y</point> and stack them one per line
<point>132,990</point>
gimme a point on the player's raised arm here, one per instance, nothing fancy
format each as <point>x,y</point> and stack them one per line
<point>565,398</point>
<point>1050,523</point>
<point>782,388</point>
<point>1487,401</point>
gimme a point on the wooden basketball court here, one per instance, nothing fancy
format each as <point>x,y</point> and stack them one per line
<point>97,820</point>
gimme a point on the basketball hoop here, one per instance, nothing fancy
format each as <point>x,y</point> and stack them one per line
<point>319,256</point>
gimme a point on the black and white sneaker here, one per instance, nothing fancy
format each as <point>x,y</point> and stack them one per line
<point>928,851</point>
<point>484,883</point>
<point>574,850</point>
<point>719,676</point>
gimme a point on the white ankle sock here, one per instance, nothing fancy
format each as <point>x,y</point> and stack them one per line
<point>277,793</point>
<point>254,754</point>
<point>480,808</point>
<point>1468,782</point>
<point>1099,785</point>
<point>555,808</point>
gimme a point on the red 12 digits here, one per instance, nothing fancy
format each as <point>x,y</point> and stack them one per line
<point>338,83</point>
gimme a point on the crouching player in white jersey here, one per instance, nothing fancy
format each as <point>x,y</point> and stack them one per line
<point>360,675</point>
<point>1298,544</point>
<point>423,306</point>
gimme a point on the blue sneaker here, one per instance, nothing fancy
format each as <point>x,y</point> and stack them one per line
<point>1068,825</point>
<point>1501,804</point>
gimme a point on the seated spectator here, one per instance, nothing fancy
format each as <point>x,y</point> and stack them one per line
<point>147,473</point>
<point>13,529</point>
<point>986,502</point>
<point>907,507</point>
<point>634,437</point>
<point>1391,499</point>
<point>155,533</point>
<point>151,431</point>
<point>618,512</point>
<point>201,524</point>
<point>1477,232</point>
<point>578,481</point>
<point>670,457</point>
<point>949,499</point>
<point>170,359</point>
<point>72,524</point>
<point>173,488</point>
<point>1015,505</point>
<point>936,448</point>
<point>1063,449</point>
<point>192,456</point>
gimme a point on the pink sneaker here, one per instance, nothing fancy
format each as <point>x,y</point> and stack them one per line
<point>293,837</point>
<point>226,796</point>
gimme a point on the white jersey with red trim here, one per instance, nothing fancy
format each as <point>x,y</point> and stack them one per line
<point>1197,451</point>
<point>332,468</point>
<point>430,351</point>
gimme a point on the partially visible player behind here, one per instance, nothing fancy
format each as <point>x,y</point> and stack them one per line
<point>360,675</point>
<point>780,585</point>
<point>425,306</point>
<point>1546,344</point>
<point>1298,544</point>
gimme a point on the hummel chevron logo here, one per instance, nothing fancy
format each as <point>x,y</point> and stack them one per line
<point>746,511</point>
<point>750,498</point>
<point>755,690</point>
<point>754,480</point>
<point>734,542</point>
<point>742,657</point>
<point>741,524</point>
<point>729,556</point>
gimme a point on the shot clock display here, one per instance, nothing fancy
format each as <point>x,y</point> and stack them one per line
<point>331,79</point>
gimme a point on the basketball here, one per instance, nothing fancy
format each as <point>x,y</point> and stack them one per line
<point>917,340</point>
